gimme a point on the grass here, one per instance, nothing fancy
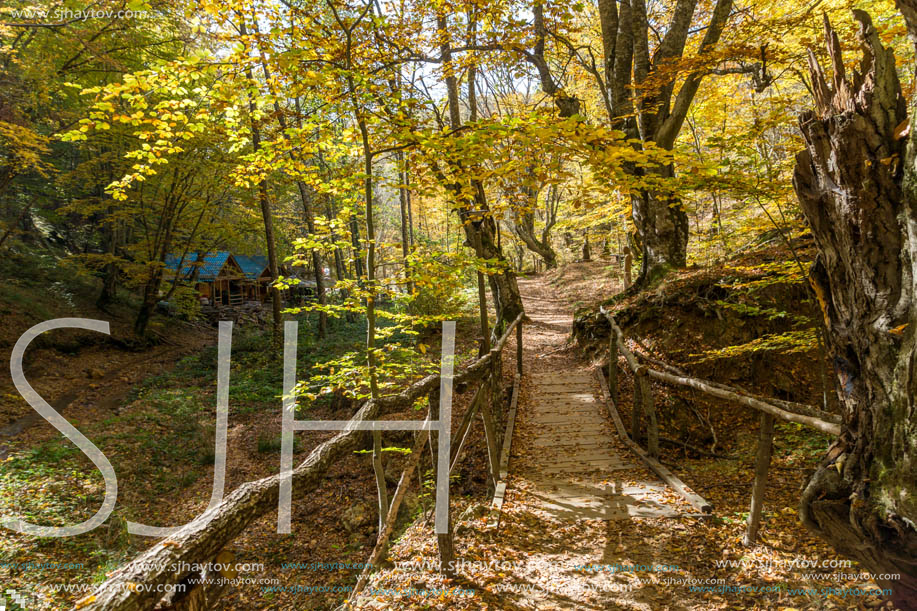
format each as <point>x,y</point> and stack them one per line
<point>174,433</point>
<point>50,485</point>
<point>799,444</point>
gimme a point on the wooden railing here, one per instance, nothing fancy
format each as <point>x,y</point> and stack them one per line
<point>133,586</point>
<point>488,401</point>
<point>644,410</point>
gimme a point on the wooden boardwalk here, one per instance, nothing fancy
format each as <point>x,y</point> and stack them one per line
<point>571,464</point>
<point>575,474</point>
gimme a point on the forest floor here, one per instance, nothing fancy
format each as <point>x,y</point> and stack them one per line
<point>152,414</point>
<point>151,411</point>
<point>537,559</point>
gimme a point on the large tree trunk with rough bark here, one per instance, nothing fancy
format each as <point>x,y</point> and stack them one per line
<point>662,225</point>
<point>641,99</point>
<point>857,185</point>
<point>481,235</point>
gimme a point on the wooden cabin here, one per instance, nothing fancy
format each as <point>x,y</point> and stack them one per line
<point>258,276</point>
<point>218,277</point>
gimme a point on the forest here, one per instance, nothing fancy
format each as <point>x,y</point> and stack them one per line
<point>458,304</point>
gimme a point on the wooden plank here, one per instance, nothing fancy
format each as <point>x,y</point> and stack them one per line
<point>565,418</point>
<point>696,500</point>
<point>557,446</point>
<point>564,410</point>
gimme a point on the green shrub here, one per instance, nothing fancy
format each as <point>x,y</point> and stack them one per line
<point>187,303</point>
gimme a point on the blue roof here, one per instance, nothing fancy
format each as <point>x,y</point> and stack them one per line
<point>211,265</point>
<point>252,266</point>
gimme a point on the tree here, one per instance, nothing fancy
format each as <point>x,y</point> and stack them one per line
<point>638,91</point>
<point>857,183</point>
<point>264,202</point>
<point>40,59</point>
<point>473,208</point>
<point>524,223</point>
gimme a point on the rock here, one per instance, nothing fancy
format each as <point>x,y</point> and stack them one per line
<point>357,516</point>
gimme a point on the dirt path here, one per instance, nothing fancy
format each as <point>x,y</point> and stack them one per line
<point>91,383</point>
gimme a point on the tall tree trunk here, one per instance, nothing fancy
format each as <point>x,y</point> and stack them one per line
<point>857,185</point>
<point>407,193</point>
<point>524,223</point>
<point>151,287</point>
<point>265,205</point>
<point>355,240</point>
<point>110,271</point>
<point>306,195</point>
<point>148,302</point>
<point>653,115</point>
<point>474,212</point>
<point>339,269</point>
<point>167,221</point>
<point>403,204</point>
<point>662,225</point>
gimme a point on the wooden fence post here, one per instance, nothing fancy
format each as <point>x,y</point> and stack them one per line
<point>444,541</point>
<point>381,486</point>
<point>763,462</point>
<point>613,364</point>
<point>649,411</point>
<point>519,348</point>
<point>636,425</point>
<point>490,433</point>
<point>496,396</point>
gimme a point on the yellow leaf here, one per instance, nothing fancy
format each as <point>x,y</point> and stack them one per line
<point>899,330</point>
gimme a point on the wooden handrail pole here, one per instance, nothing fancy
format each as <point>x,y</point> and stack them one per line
<point>649,412</point>
<point>444,540</point>
<point>637,413</point>
<point>762,465</point>
<point>490,434</point>
<point>613,365</point>
<point>519,348</point>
